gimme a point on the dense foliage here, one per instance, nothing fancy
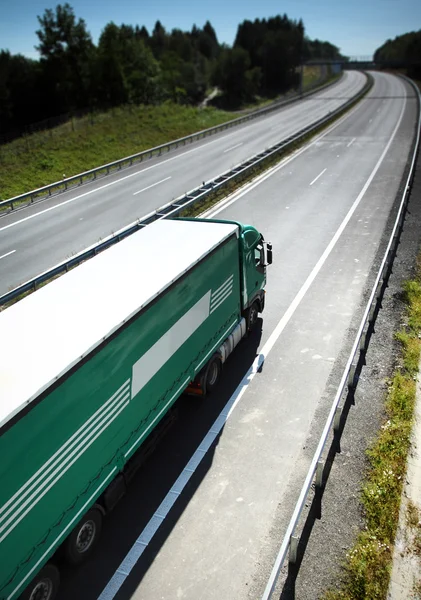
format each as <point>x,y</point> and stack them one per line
<point>402,52</point>
<point>129,65</point>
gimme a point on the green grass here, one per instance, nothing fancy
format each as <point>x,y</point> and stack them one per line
<point>82,144</point>
<point>311,74</point>
<point>367,568</point>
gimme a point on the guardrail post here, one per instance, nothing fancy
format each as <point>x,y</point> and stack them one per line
<point>293,549</point>
<point>351,377</point>
<point>337,419</point>
<point>319,473</point>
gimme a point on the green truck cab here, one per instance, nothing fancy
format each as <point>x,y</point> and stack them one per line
<point>93,363</point>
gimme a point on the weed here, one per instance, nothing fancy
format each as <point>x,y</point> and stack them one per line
<point>367,568</point>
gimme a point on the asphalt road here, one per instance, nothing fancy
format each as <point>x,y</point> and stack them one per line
<point>36,238</point>
<point>325,210</point>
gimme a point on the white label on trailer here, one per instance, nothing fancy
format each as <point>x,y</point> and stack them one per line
<point>156,357</point>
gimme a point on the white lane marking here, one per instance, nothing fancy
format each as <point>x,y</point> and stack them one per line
<point>319,175</point>
<point>233,147</point>
<point>117,580</point>
<point>134,174</point>
<point>7,254</point>
<point>151,186</point>
<point>351,142</point>
<point>153,525</point>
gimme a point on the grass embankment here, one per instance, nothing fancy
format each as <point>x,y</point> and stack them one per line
<point>311,75</point>
<point>368,564</point>
<point>82,144</point>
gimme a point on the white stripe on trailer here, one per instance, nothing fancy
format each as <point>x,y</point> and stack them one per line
<point>221,300</point>
<point>103,425</point>
<point>155,358</point>
<point>230,278</point>
<point>215,297</point>
<point>62,534</point>
<point>56,457</point>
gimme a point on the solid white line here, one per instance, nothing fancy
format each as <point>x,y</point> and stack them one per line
<point>233,147</point>
<point>351,142</point>
<point>319,175</point>
<point>7,254</point>
<point>117,580</point>
<point>151,186</point>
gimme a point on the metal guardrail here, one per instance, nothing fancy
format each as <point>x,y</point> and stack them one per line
<point>177,206</point>
<point>350,375</point>
<point>65,184</point>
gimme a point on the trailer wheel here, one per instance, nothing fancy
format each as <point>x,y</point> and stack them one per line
<point>212,374</point>
<point>251,316</point>
<point>81,542</point>
<point>44,586</point>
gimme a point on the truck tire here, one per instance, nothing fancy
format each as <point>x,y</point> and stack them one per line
<point>212,375</point>
<point>44,586</point>
<point>251,316</point>
<point>82,541</point>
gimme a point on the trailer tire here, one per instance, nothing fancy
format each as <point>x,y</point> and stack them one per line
<point>252,316</point>
<point>83,539</point>
<point>212,374</point>
<point>44,586</point>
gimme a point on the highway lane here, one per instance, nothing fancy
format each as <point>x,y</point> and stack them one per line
<point>325,211</point>
<point>37,238</point>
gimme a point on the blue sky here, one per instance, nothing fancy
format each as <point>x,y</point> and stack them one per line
<point>357,27</point>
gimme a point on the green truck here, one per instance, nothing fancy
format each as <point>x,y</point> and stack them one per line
<point>91,364</point>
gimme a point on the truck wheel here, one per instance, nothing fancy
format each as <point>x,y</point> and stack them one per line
<point>212,374</point>
<point>44,586</point>
<point>81,542</point>
<point>251,316</point>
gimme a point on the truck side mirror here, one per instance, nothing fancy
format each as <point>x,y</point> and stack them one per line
<point>269,253</point>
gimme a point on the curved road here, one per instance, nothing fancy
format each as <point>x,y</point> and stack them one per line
<point>325,210</point>
<point>37,238</point>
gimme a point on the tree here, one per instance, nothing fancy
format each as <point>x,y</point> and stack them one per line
<point>129,72</point>
<point>67,51</point>
<point>235,77</point>
<point>274,46</point>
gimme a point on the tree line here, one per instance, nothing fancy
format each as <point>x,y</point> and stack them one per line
<point>131,65</point>
<point>402,52</point>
